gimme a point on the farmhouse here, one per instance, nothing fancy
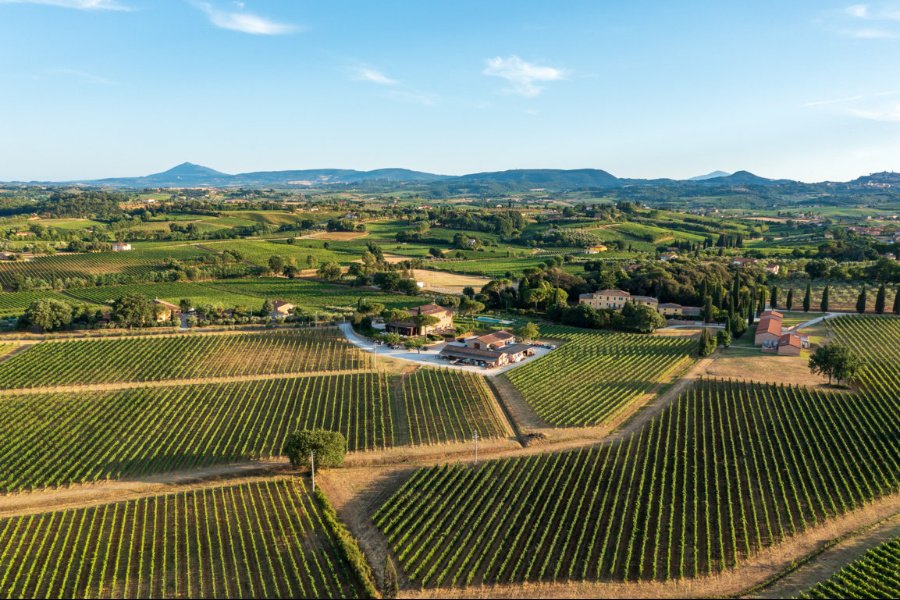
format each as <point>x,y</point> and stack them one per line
<point>768,330</point>
<point>490,341</point>
<point>743,262</point>
<point>773,268</point>
<point>596,249</point>
<point>121,247</point>
<point>165,311</point>
<point>788,344</point>
<point>612,299</point>
<point>409,326</point>
<point>671,309</point>
<point>668,256</point>
<point>281,309</point>
<point>489,351</point>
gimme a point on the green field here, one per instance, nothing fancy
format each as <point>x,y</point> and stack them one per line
<point>603,372</point>
<point>197,293</point>
<point>262,540</point>
<point>13,304</point>
<point>875,575</point>
<point>727,470</point>
<point>180,357</point>
<point>312,296</point>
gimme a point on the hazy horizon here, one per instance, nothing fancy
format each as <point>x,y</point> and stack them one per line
<point>121,88</point>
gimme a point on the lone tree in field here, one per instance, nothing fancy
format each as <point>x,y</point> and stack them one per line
<point>276,264</point>
<point>133,310</point>
<point>861,301</point>
<point>707,344</point>
<point>330,271</point>
<point>527,332</point>
<point>47,314</point>
<point>836,361</point>
<point>328,447</point>
<point>880,300</point>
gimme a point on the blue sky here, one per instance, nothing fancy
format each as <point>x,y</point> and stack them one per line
<point>800,89</point>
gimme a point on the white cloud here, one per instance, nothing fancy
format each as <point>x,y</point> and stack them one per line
<point>77,4</point>
<point>522,75</point>
<point>859,11</point>
<point>240,20</point>
<point>373,76</point>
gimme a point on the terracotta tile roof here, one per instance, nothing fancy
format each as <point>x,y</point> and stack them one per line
<point>789,339</point>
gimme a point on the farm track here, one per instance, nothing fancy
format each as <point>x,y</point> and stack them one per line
<point>124,385</point>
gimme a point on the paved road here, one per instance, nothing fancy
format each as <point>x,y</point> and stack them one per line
<point>427,357</point>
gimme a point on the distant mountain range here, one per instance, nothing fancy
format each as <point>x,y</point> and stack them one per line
<point>190,175</point>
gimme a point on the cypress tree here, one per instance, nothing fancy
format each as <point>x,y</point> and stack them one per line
<point>897,301</point>
<point>824,304</point>
<point>790,299</point>
<point>761,305</point>
<point>880,298</point>
<point>708,310</point>
<point>807,298</point>
<point>774,297</point>
<point>861,301</point>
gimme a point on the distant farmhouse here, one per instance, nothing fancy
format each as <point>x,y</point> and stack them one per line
<point>490,350</point>
<point>616,299</point>
<point>165,311</point>
<point>282,309</point>
<point>121,247</point>
<point>409,327</point>
<point>768,329</point>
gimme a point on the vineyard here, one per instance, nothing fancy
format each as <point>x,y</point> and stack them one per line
<point>140,261</point>
<point>449,406</point>
<point>875,575</point>
<point>58,439</point>
<point>262,540</point>
<point>603,372</point>
<point>727,470</point>
<point>881,371</point>
<point>13,304</point>
<point>180,357</point>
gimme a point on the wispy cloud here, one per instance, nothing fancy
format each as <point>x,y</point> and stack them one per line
<point>396,90</point>
<point>871,107</point>
<point>862,21</point>
<point>885,114</point>
<point>77,4</point>
<point>524,77</point>
<point>238,19</point>
<point>373,76</point>
<point>833,101</point>
<point>82,75</point>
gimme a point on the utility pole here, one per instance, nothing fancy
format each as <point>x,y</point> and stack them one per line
<point>312,463</point>
<point>475,437</point>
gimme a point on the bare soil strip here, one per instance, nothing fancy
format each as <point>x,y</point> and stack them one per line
<point>92,494</point>
<point>124,385</point>
<point>832,560</point>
